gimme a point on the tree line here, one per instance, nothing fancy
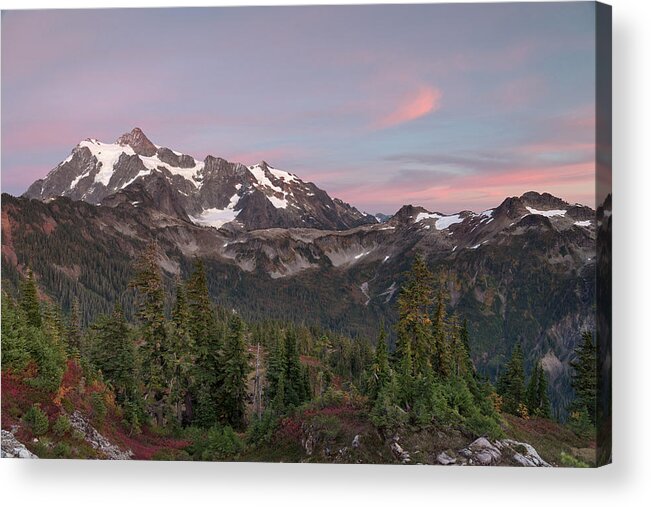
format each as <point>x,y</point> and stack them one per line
<point>193,367</point>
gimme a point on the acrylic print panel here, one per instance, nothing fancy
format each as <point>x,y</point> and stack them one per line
<point>340,234</point>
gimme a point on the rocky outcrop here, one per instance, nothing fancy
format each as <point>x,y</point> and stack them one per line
<point>12,448</point>
<point>399,452</point>
<point>524,453</point>
<point>483,452</point>
<point>96,439</point>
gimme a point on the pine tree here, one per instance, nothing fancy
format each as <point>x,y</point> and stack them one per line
<point>405,386</point>
<point>442,356</point>
<point>15,351</point>
<point>29,300</point>
<point>380,371</point>
<point>460,361</point>
<point>206,338</point>
<point>544,407</point>
<point>414,323</point>
<point>233,391</point>
<point>584,379</point>
<point>293,374</point>
<point>511,383</point>
<point>183,354</point>
<point>276,370</point>
<point>157,370</point>
<point>531,396</point>
<point>73,329</point>
<point>114,353</point>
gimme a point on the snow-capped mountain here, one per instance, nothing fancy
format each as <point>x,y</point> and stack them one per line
<point>522,272</point>
<point>212,192</point>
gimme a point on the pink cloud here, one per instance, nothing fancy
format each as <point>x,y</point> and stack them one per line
<point>572,182</point>
<point>423,102</point>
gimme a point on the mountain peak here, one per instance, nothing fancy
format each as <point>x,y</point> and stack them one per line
<point>138,141</point>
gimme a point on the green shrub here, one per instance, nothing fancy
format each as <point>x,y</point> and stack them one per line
<point>50,359</point>
<point>330,398</point>
<point>62,450</point>
<point>61,426</point>
<point>579,422</point>
<point>214,444</point>
<point>171,455</point>
<point>67,405</point>
<point>385,413</point>
<point>78,435</point>
<point>98,403</point>
<point>327,426</point>
<point>36,420</point>
<point>431,403</point>
<point>570,461</point>
<point>261,430</point>
<point>481,424</point>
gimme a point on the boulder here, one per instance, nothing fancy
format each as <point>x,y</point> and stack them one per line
<point>12,448</point>
<point>445,459</point>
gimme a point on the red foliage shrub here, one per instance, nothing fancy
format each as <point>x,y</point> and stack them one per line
<point>289,428</point>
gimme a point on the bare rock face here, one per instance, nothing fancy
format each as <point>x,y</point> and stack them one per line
<point>138,142</point>
<point>12,448</point>
<point>524,453</point>
<point>174,159</point>
<point>96,439</point>
<point>445,459</point>
<point>213,193</point>
<point>483,452</point>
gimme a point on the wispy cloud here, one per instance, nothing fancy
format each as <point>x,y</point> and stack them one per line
<point>418,104</point>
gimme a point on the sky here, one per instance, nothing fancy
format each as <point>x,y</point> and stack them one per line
<point>449,106</point>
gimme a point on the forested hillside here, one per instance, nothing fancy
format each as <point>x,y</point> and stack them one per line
<point>199,382</point>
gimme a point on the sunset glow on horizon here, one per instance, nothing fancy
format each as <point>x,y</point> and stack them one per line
<point>449,106</point>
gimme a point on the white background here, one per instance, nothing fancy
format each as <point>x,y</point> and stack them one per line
<point>626,482</point>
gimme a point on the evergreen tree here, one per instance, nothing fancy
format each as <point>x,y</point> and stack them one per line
<point>15,352</point>
<point>460,361</point>
<point>511,383</point>
<point>157,370</point>
<point>544,407</point>
<point>584,379</point>
<point>441,353</point>
<point>234,372</point>
<point>206,338</point>
<point>276,370</point>
<point>380,371</point>
<point>73,329</point>
<point>29,300</point>
<point>294,393</point>
<point>414,323</point>
<point>114,354</point>
<point>463,334</point>
<point>183,355</point>
<point>405,387</point>
<point>531,396</point>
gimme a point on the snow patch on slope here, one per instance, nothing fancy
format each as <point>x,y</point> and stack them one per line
<point>426,216</point>
<point>547,213</point>
<point>447,221</point>
<point>215,217</point>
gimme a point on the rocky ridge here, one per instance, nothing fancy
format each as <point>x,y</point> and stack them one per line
<point>213,192</point>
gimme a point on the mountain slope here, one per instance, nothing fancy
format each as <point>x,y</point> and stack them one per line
<point>212,192</point>
<point>523,272</point>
